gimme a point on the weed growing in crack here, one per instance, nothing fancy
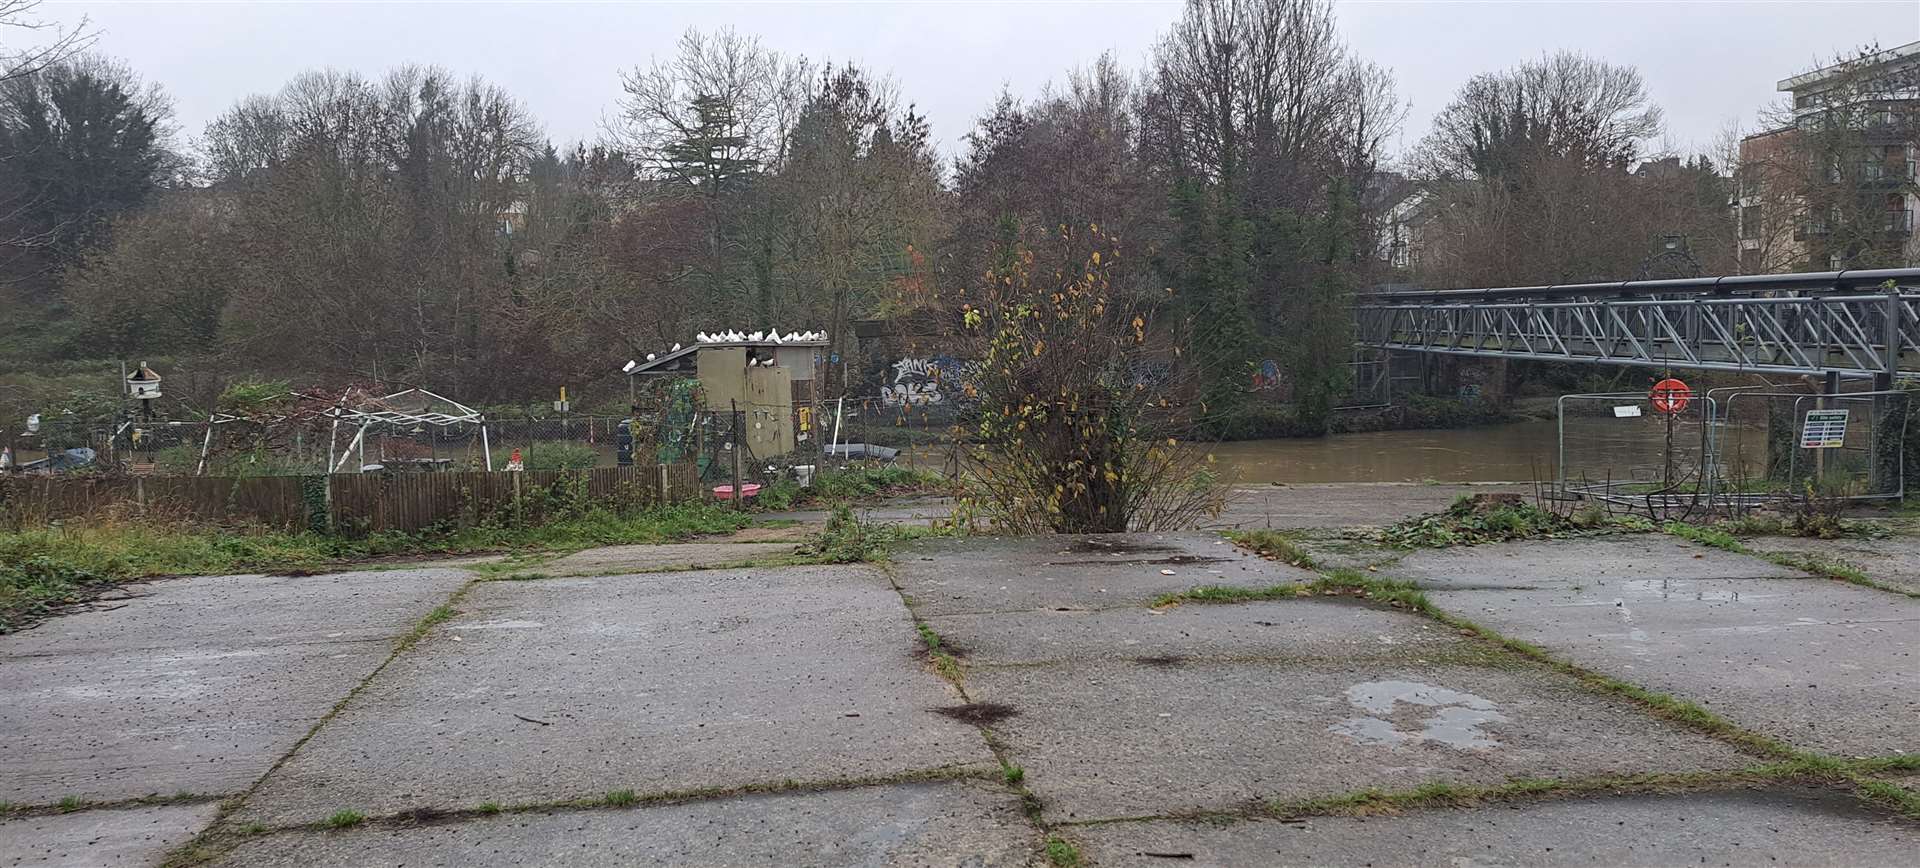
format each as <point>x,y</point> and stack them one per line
<point>489,808</point>
<point>345,819</point>
<point>70,804</point>
<point>621,798</point>
<point>1012,774</point>
<point>1061,853</point>
<point>1273,545</point>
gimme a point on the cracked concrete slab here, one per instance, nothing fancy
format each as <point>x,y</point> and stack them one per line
<point>107,836</point>
<point>1002,574</point>
<point>1119,739</point>
<point>1894,562</point>
<point>196,685</point>
<point>644,558</point>
<point>1588,563</point>
<point>569,688</point>
<point>1329,505</point>
<point>958,824</point>
<point>1791,827</point>
<point>1299,628</point>
<point>1823,665</point>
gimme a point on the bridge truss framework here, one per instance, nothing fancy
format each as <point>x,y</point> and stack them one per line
<point>1849,323</point>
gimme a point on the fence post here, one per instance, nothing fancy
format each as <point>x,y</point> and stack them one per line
<point>140,496</point>
<point>663,486</point>
<point>519,519</point>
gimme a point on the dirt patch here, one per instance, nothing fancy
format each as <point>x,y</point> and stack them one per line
<point>796,533</point>
<point>1142,562</point>
<point>424,816</point>
<point>1095,545</point>
<point>979,713</point>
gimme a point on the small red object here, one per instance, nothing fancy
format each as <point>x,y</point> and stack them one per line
<point>725,492</point>
<point>1670,396</point>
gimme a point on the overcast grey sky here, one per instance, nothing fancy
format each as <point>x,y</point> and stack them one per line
<point>1705,62</point>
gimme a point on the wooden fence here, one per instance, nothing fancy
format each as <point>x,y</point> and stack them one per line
<point>352,503</point>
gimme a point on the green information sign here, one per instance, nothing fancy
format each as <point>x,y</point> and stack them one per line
<point>1824,429</point>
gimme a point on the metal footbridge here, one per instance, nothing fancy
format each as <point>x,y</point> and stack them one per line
<point>1862,323</point>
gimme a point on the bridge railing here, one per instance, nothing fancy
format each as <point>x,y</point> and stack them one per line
<point>1855,323</point>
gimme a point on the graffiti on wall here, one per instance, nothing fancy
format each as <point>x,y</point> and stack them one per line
<point>936,380</point>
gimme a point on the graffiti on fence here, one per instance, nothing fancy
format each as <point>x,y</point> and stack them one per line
<point>936,380</point>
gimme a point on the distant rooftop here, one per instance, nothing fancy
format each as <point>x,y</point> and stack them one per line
<point>1910,50</point>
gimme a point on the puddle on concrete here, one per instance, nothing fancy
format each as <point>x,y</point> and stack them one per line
<point>1455,723</point>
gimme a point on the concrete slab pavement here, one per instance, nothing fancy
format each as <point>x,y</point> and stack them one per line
<point>682,556</point>
<point>1791,827</point>
<point>1104,740</point>
<point>1370,504</point>
<point>1894,561</point>
<point>954,823</point>
<point>1002,574</point>
<point>1285,630</point>
<point>567,688</point>
<point>118,836</point>
<point>1600,562</point>
<point>1822,665</point>
<point>197,685</point>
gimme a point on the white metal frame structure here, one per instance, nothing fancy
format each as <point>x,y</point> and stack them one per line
<point>390,409</point>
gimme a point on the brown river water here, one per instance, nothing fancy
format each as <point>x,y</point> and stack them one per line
<point>1600,447</point>
<point>1516,452</point>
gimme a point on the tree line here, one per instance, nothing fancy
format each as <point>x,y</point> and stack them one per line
<point>419,225</point>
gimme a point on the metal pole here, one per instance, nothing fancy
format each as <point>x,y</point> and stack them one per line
<point>486,449</point>
<point>206,444</point>
<point>738,500</point>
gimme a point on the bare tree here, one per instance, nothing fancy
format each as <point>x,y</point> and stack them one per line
<point>1837,164</point>
<point>1564,107</point>
<point>45,43</point>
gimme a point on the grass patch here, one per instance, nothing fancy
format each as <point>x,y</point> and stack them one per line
<point>345,819</point>
<point>1012,774</point>
<point>1273,545</point>
<point>620,798</point>
<point>70,804</point>
<point>1711,537</point>
<point>850,539</point>
<point>1890,794</point>
<point>44,569</point>
<point>489,808</point>
<point>1061,853</point>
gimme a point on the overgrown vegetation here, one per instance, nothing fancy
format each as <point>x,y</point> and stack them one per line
<point>44,568</point>
<point>1473,520</point>
<point>857,483</point>
<point>1075,431</point>
<point>852,539</point>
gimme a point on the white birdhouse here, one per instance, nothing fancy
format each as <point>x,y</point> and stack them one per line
<point>143,384</point>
